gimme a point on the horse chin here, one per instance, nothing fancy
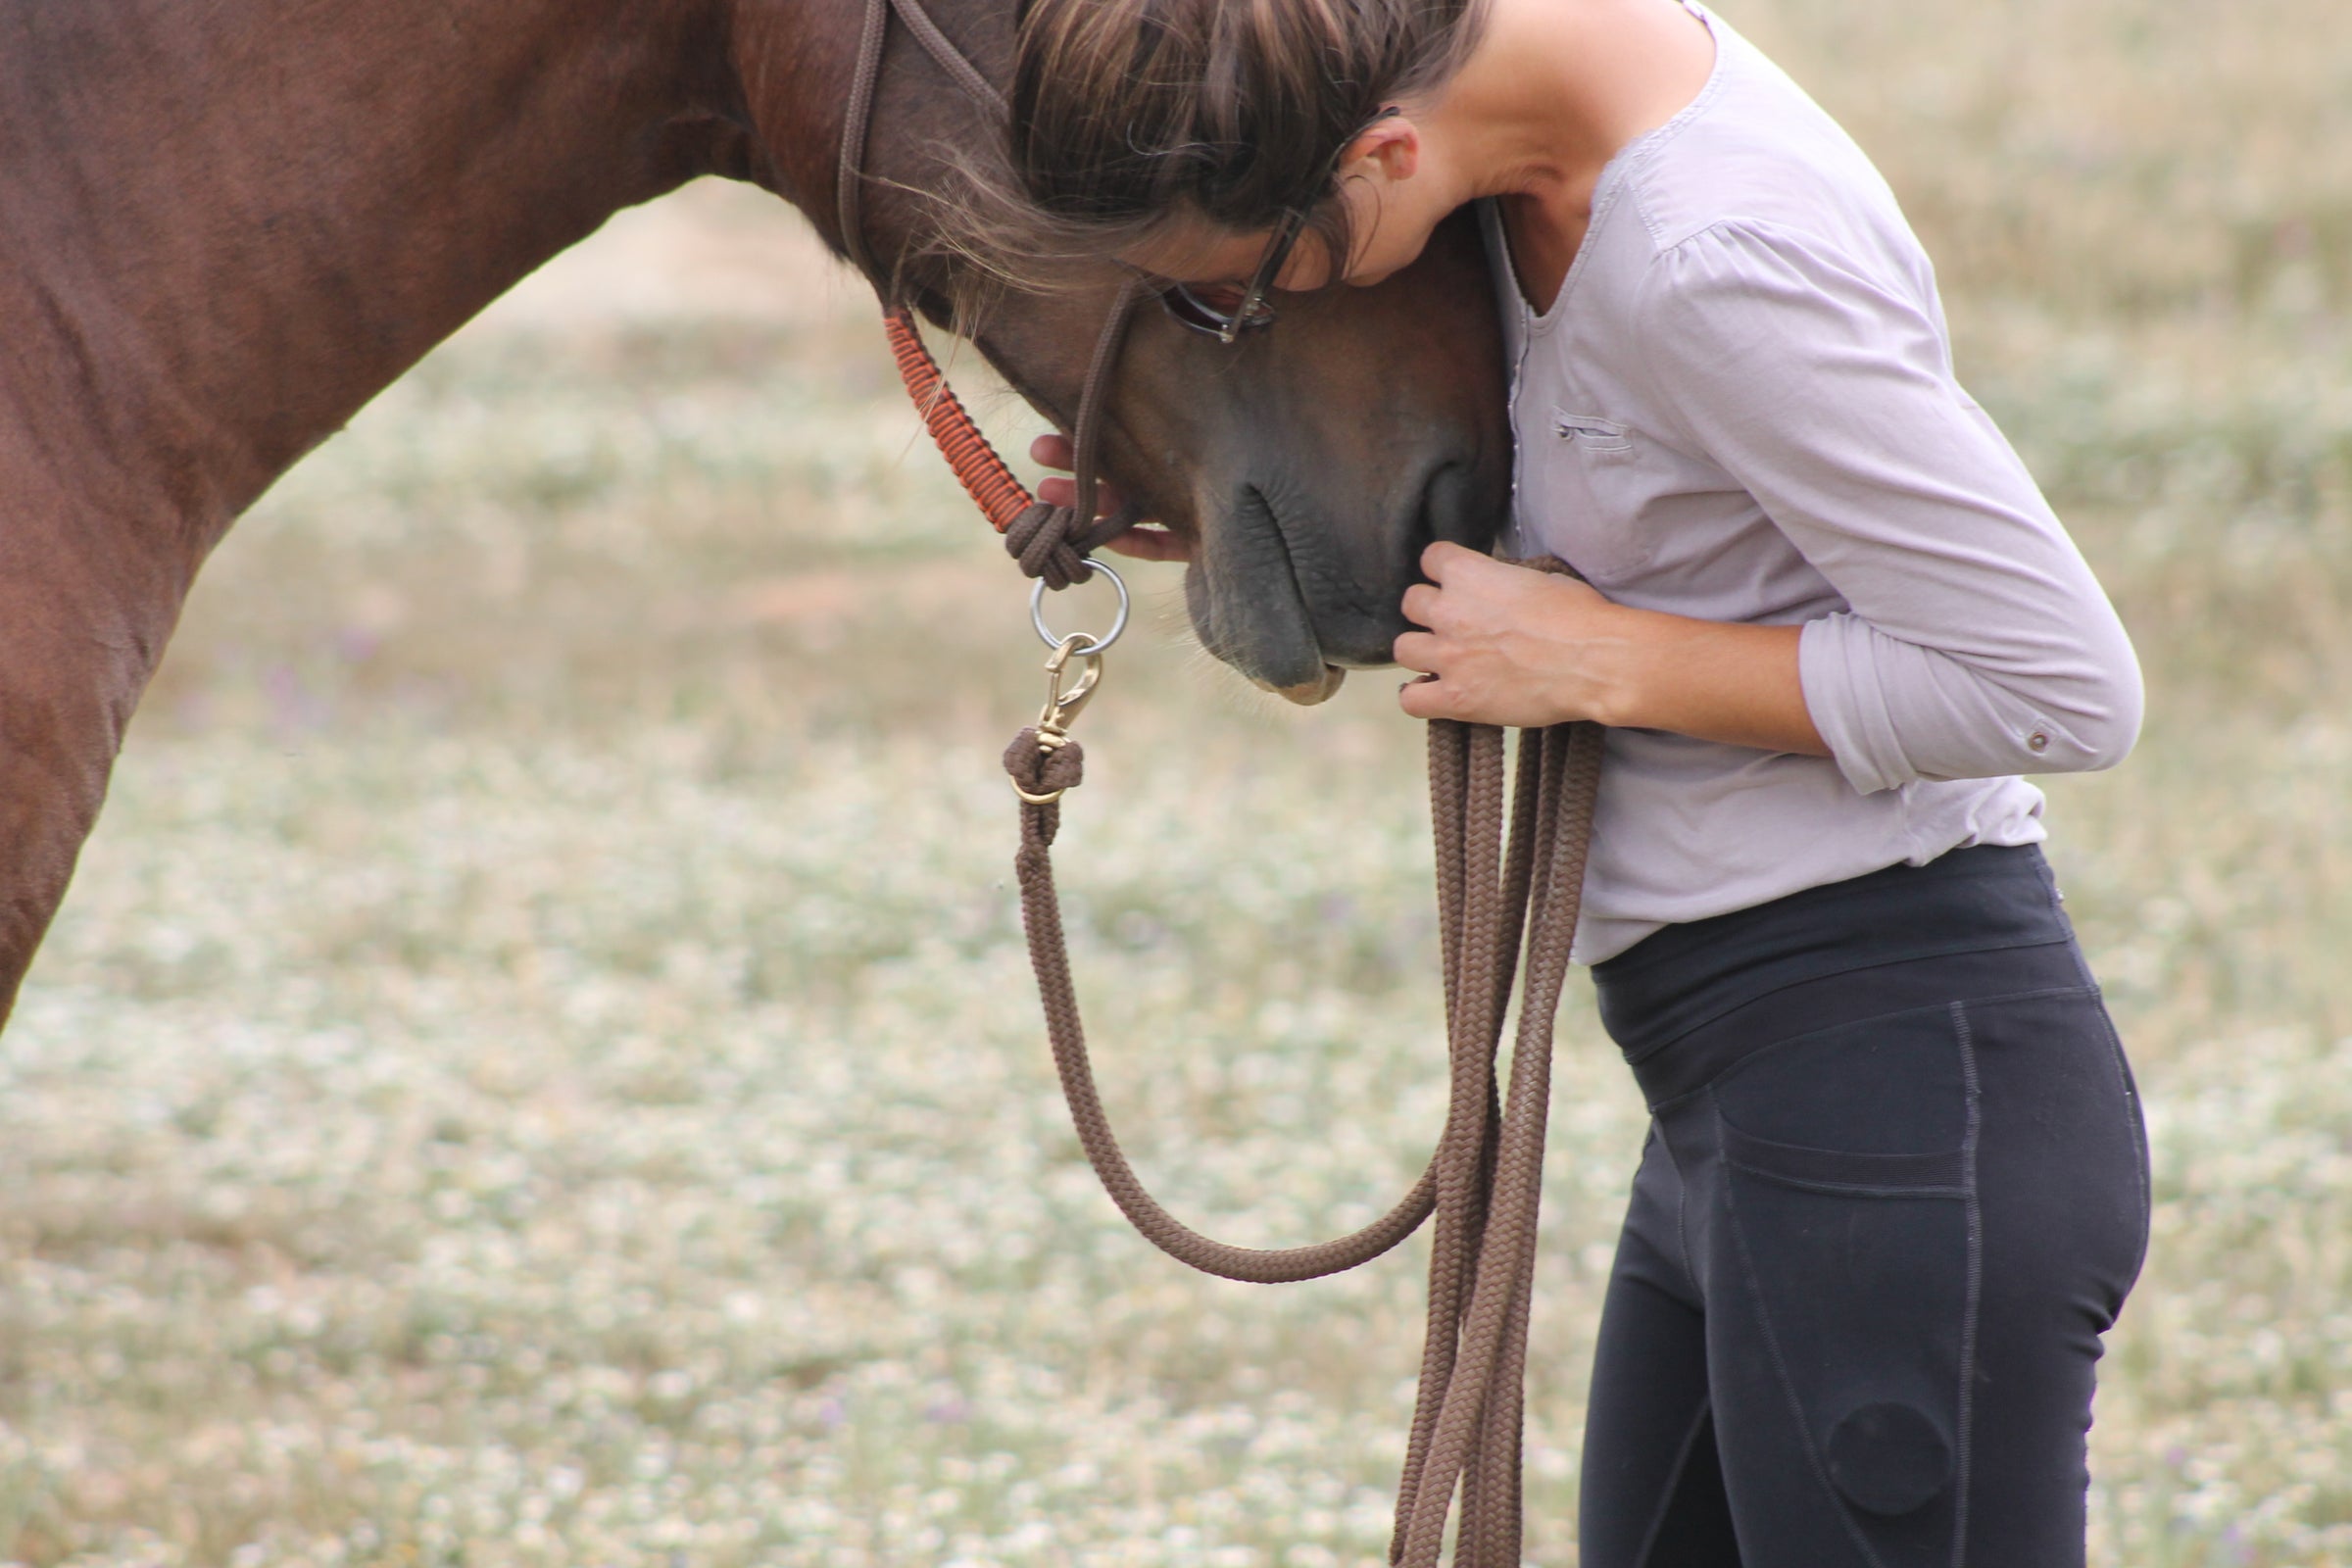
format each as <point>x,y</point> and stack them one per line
<point>1307,693</point>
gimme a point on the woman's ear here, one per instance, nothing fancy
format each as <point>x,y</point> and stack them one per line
<point>1393,147</point>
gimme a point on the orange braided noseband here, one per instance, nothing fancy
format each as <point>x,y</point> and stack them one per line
<point>983,475</point>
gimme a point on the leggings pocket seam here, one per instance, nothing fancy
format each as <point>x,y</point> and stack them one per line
<point>1964,1443</point>
<point>1850,1189</point>
<point>1793,1403</point>
<point>1837,1171</point>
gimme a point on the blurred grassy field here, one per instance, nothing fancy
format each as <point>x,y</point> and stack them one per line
<point>537,1066</point>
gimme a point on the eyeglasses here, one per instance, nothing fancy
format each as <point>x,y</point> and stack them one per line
<point>1225,312</point>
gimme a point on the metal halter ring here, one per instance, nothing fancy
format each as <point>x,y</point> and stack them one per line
<point>1089,643</point>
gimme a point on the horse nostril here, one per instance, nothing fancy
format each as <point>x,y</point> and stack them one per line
<point>1449,510</point>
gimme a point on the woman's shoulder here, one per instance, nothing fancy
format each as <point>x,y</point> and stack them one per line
<point>1759,157</point>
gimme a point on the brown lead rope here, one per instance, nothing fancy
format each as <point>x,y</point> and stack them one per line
<point>1485,1181</point>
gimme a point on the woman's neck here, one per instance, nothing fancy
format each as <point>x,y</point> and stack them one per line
<point>1555,89</point>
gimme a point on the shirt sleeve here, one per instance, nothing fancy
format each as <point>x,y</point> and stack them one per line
<point>1978,642</point>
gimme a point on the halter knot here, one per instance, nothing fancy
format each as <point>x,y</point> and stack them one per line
<point>1048,542</point>
<point>1039,539</point>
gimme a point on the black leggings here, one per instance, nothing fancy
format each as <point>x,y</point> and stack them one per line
<point>1896,1189</point>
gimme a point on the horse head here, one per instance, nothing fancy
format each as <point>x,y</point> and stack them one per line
<point>1308,465</point>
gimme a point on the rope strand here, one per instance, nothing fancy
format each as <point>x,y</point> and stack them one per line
<point>1496,894</point>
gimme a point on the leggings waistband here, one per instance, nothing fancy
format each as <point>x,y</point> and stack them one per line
<point>1973,922</point>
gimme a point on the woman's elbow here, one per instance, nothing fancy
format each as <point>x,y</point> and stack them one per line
<point>2101,726</point>
<point>2121,731</point>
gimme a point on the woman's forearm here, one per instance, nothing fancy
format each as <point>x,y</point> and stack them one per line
<point>1711,680</point>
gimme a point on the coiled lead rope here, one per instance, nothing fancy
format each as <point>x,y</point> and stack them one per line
<point>1495,895</point>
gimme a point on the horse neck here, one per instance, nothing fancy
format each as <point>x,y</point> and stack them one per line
<point>223,228</point>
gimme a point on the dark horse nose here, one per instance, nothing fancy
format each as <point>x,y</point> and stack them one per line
<point>1312,464</point>
<point>1358,619</point>
<point>1302,571</point>
<point>1292,597</point>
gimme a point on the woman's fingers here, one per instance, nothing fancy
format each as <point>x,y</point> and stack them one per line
<point>1149,544</point>
<point>1064,493</point>
<point>1426,698</point>
<point>1427,695</point>
<point>1053,451</point>
<point>1443,559</point>
<point>1507,645</point>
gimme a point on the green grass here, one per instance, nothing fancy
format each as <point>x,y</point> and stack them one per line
<point>538,1066</point>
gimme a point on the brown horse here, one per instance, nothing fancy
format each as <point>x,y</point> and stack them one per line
<point>225,227</point>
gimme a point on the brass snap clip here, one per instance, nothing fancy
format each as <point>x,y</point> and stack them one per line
<point>1065,696</point>
<point>1062,704</point>
<point>1063,701</point>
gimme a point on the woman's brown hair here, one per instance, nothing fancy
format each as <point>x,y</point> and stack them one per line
<point>1128,115</point>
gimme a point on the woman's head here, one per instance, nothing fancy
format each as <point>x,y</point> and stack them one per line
<point>1183,135</point>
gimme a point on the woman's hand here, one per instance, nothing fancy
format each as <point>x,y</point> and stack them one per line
<point>1509,646</point>
<point>1143,543</point>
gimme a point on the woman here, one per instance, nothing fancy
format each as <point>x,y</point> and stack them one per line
<point>1896,1187</point>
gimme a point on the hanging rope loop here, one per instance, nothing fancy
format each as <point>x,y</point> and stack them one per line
<point>1509,902</point>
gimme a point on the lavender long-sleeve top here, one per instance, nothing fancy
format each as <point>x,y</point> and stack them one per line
<point>1742,408</point>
